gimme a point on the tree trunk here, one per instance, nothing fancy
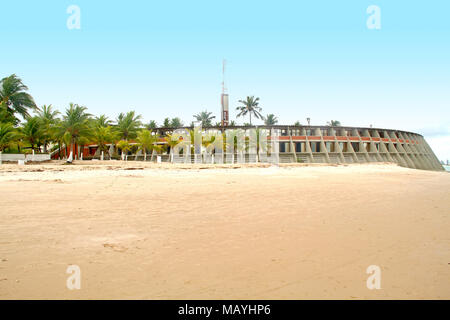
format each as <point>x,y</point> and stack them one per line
<point>72,147</point>
<point>250,114</point>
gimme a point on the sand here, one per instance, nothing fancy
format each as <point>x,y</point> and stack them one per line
<point>147,231</point>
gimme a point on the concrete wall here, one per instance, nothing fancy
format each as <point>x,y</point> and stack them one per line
<point>29,157</point>
<point>38,157</point>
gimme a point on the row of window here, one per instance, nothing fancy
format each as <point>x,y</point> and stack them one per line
<point>339,132</point>
<point>330,146</point>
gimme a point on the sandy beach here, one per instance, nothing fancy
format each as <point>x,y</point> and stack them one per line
<point>147,231</point>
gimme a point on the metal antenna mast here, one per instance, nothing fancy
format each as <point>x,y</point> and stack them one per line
<point>224,89</point>
<point>224,98</point>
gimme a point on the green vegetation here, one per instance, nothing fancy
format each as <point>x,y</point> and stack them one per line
<point>205,118</point>
<point>334,123</point>
<point>14,99</point>
<point>7,135</point>
<point>128,125</point>
<point>270,119</point>
<point>24,127</point>
<point>148,142</point>
<point>75,126</point>
<point>31,132</point>
<point>250,106</point>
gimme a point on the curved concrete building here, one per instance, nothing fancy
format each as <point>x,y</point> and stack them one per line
<point>321,144</point>
<point>325,144</point>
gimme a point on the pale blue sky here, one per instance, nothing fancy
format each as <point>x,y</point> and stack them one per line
<point>312,59</point>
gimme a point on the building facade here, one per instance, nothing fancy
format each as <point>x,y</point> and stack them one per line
<point>326,144</point>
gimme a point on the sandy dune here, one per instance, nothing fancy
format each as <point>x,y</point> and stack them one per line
<point>157,232</point>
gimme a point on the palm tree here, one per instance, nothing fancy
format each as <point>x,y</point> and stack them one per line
<point>166,123</point>
<point>102,121</point>
<point>270,120</point>
<point>48,118</point>
<point>232,123</point>
<point>13,98</point>
<point>6,117</point>
<point>31,131</point>
<point>75,125</point>
<point>7,135</point>
<point>205,118</point>
<point>334,123</point>
<point>172,140</point>
<point>128,125</point>
<point>176,123</point>
<point>58,135</point>
<point>147,141</point>
<point>297,123</point>
<point>102,136</point>
<point>124,146</point>
<point>152,125</point>
<point>250,106</point>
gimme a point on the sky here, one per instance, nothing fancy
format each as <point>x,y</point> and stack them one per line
<point>315,59</point>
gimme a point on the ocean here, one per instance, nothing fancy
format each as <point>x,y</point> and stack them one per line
<point>446,167</point>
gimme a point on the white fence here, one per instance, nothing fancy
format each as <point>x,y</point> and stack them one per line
<point>14,157</point>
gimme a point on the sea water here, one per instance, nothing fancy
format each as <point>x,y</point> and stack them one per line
<point>446,168</point>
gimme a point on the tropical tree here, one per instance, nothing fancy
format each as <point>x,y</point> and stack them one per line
<point>172,140</point>
<point>58,135</point>
<point>31,131</point>
<point>6,117</point>
<point>297,123</point>
<point>102,121</point>
<point>176,123</point>
<point>147,141</point>
<point>124,146</point>
<point>270,120</point>
<point>166,123</point>
<point>128,125</point>
<point>75,125</point>
<point>250,106</point>
<point>7,135</point>
<point>232,123</point>
<point>14,99</point>
<point>334,123</point>
<point>104,135</point>
<point>205,118</point>
<point>48,118</point>
<point>152,125</point>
